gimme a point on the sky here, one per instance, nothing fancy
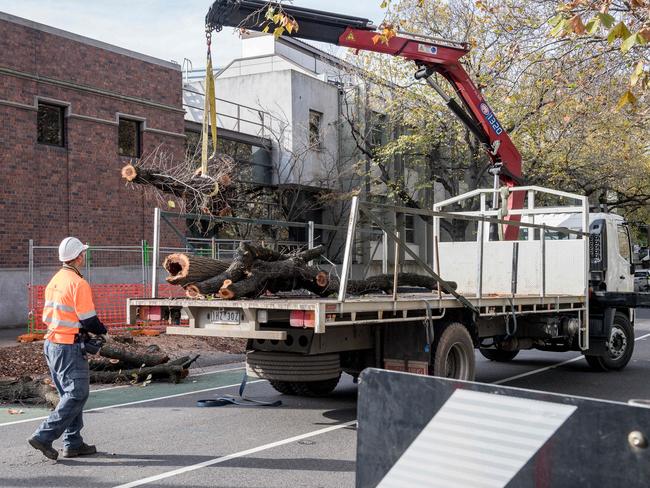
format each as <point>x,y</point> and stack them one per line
<point>165,29</point>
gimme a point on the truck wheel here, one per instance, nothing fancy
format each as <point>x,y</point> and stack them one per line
<point>314,388</point>
<point>619,346</point>
<point>284,387</point>
<point>499,355</point>
<point>454,354</point>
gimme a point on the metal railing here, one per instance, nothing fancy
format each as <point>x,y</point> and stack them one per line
<point>216,246</point>
<point>231,115</point>
<point>482,217</point>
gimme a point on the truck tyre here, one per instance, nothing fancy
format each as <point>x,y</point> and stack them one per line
<point>619,346</point>
<point>284,387</point>
<point>314,388</point>
<point>499,355</point>
<point>454,354</point>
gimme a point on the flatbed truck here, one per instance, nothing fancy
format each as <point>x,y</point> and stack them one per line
<point>565,285</point>
<point>554,278</point>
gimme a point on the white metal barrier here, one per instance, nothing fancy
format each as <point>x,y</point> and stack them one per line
<point>532,265</point>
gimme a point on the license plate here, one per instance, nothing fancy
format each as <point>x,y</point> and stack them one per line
<point>224,316</point>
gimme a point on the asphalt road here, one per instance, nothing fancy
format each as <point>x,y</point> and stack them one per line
<point>156,436</point>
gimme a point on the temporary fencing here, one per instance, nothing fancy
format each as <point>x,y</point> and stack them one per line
<point>110,304</point>
<point>115,273</point>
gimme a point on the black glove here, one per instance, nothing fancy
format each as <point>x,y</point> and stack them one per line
<point>92,345</point>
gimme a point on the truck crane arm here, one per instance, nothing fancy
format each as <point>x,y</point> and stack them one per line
<point>431,55</point>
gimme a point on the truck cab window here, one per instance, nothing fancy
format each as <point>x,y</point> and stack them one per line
<point>624,242</point>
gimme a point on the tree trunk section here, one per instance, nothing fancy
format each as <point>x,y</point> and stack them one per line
<point>185,269</point>
<point>130,359</point>
<point>384,283</point>
<point>168,184</point>
<point>173,374</point>
<point>258,269</point>
<point>28,391</point>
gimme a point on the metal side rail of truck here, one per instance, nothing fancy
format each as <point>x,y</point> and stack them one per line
<point>566,284</point>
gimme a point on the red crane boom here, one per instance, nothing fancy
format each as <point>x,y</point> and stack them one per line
<point>430,55</point>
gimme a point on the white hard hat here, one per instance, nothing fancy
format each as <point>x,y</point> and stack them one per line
<point>70,248</point>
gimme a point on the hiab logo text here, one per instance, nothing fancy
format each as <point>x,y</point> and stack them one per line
<point>491,118</point>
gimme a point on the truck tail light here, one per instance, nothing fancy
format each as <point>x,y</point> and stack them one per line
<point>302,318</point>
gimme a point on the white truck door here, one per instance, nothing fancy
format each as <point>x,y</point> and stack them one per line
<point>620,278</point>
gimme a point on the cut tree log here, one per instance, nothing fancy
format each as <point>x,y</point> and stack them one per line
<point>112,351</point>
<point>384,283</point>
<point>185,269</point>
<point>29,391</point>
<point>171,185</point>
<point>173,374</point>
<point>235,272</point>
<point>173,371</point>
<point>287,275</point>
<point>205,194</point>
<point>256,269</point>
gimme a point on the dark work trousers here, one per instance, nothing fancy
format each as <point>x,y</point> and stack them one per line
<point>69,368</point>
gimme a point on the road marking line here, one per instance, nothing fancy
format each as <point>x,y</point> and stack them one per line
<point>217,371</point>
<point>541,370</point>
<point>235,455</point>
<point>109,388</point>
<point>137,402</point>
<point>167,396</point>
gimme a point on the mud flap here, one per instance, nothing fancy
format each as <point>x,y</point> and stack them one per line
<point>600,326</point>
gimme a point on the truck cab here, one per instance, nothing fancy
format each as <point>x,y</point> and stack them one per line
<point>611,253</point>
<point>612,288</point>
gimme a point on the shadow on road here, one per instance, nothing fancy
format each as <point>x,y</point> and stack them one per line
<point>293,464</point>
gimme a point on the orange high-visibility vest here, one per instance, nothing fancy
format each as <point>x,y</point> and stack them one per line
<point>68,299</point>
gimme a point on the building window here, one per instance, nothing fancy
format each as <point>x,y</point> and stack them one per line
<point>129,143</point>
<point>51,124</point>
<point>377,129</point>
<point>624,242</point>
<point>409,228</point>
<point>315,120</point>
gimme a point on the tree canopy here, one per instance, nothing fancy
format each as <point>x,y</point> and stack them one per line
<point>568,80</point>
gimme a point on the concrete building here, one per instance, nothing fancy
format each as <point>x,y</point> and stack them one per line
<point>305,97</point>
<point>302,89</point>
<point>298,93</point>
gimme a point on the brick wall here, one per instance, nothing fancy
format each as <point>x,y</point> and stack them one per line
<point>47,193</point>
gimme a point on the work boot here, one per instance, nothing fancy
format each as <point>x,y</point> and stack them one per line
<point>83,450</point>
<point>47,449</point>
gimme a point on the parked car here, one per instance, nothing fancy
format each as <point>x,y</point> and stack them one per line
<point>642,280</point>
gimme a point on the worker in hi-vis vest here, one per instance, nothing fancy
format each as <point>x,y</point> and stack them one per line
<point>70,315</point>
